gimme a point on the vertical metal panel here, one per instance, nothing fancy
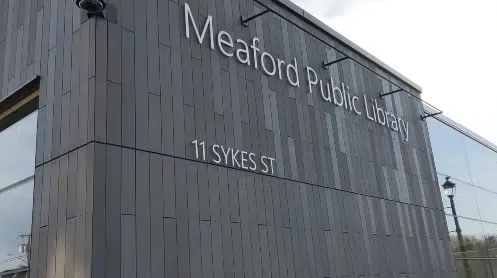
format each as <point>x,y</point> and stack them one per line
<point>45,196</point>
<point>75,89</point>
<point>190,131</point>
<point>153,47</point>
<point>52,218</point>
<point>41,272</point>
<point>49,95</point>
<point>97,108</point>
<point>128,246</point>
<point>17,66</point>
<point>114,116</point>
<point>128,182</point>
<point>65,123</point>
<point>203,193</point>
<point>163,9</point>
<point>68,48</point>
<point>154,125</point>
<point>127,15</point>
<point>2,58</point>
<point>91,187</point>
<point>156,216</point>
<point>114,55</point>
<point>72,185</point>
<point>84,84</point>
<point>169,186</point>
<point>81,206</point>
<point>166,99</point>
<point>113,211</point>
<point>183,256</point>
<point>177,80</point>
<point>171,245</point>
<point>193,220</point>
<point>206,249</point>
<point>128,109</point>
<point>245,224</point>
<point>215,209</point>
<point>143,241</point>
<point>97,246</point>
<point>69,248</point>
<point>60,249</point>
<point>199,102</point>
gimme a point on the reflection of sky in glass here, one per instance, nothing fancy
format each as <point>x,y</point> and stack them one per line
<point>17,150</point>
<point>15,219</point>
<point>448,151</point>
<point>471,166</point>
<point>468,163</point>
<point>462,157</point>
<point>17,159</point>
<point>487,202</point>
<point>482,164</point>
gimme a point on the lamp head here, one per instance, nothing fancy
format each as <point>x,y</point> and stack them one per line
<point>449,187</point>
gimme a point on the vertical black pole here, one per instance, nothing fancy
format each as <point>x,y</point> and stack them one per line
<point>460,239</point>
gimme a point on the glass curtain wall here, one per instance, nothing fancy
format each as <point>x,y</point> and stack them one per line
<point>17,164</point>
<point>472,166</point>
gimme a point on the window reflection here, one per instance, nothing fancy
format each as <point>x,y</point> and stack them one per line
<point>17,159</point>
<point>482,164</point>
<point>448,150</point>
<point>493,264</point>
<point>471,240</point>
<point>476,269</point>
<point>15,220</point>
<point>464,200</point>
<point>474,248</point>
<point>17,150</point>
<point>473,167</point>
<point>490,231</point>
<point>487,202</point>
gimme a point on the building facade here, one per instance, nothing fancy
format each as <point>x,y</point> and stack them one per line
<point>175,139</point>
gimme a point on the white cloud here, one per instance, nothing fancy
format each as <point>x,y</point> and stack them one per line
<point>447,47</point>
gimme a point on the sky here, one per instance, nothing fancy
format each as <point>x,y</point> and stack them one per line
<point>16,163</point>
<point>448,47</point>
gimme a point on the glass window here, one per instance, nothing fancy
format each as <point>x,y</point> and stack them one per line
<point>464,199</point>
<point>487,202</point>
<point>17,159</point>
<point>473,268</point>
<point>469,242</point>
<point>493,263</point>
<point>17,149</point>
<point>490,231</point>
<point>482,164</point>
<point>448,150</point>
<point>15,224</point>
<point>473,168</point>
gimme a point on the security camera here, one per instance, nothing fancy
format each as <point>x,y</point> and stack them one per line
<point>91,7</point>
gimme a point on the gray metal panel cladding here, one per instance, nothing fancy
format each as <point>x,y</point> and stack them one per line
<point>122,99</point>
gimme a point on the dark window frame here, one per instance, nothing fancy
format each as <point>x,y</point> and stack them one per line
<point>20,103</point>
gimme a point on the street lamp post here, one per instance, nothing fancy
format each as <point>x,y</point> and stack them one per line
<point>450,191</point>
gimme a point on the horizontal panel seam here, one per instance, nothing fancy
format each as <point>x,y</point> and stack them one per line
<point>262,174</point>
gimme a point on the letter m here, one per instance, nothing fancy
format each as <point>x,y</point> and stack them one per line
<point>208,24</point>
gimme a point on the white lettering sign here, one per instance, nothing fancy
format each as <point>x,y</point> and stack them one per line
<point>337,94</point>
<point>227,156</point>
